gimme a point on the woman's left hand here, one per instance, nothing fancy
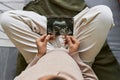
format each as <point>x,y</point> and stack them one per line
<point>73,44</point>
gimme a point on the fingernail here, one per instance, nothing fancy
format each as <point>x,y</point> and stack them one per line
<point>67,36</point>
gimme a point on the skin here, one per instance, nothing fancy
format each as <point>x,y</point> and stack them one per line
<point>42,44</point>
<point>49,77</point>
<point>73,46</point>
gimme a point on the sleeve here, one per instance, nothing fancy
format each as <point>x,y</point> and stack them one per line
<point>87,72</point>
<point>33,62</point>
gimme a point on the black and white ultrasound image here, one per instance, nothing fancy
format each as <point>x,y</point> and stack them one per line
<point>60,26</point>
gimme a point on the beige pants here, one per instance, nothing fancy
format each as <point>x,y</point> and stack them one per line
<point>91,27</point>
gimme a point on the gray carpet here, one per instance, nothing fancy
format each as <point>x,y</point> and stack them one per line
<point>8,57</point>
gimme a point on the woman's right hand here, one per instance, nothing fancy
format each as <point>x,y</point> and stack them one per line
<point>42,44</point>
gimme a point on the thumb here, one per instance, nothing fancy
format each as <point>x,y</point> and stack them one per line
<point>69,40</point>
<point>47,39</point>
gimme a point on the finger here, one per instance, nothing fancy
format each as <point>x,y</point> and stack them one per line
<point>52,37</point>
<point>42,38</point>
<point>65,38</point>
<point>74,40</point>
<point>38,41</point>
<point>47,38</point>
<point>69,40</point>
<point>65,42</point>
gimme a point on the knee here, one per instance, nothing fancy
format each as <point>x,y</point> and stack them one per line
<point>105,11</point>
<point>5,19</point>
<point>105,15</point>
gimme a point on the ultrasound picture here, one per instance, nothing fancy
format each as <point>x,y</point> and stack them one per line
<point>60,26</point>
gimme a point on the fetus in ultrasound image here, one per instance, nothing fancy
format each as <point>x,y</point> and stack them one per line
<point>60,26</point>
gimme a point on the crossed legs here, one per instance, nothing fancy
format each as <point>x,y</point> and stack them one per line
<point>91,27</point>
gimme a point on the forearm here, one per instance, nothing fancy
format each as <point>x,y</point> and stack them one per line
<point>34,61</point>
<point>87,72</point>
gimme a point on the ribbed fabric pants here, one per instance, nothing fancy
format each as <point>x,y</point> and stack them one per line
<point>91,27</point>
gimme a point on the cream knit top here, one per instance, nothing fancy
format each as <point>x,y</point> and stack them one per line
<point>55,62</point>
